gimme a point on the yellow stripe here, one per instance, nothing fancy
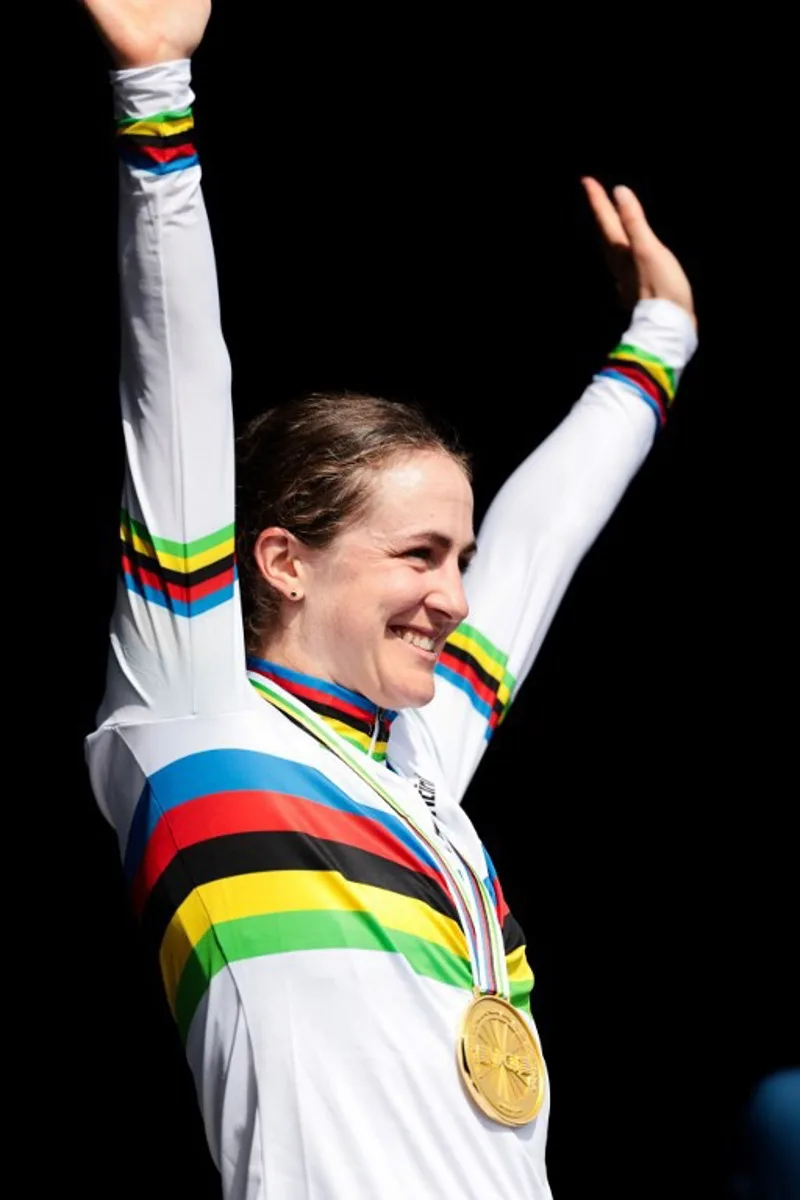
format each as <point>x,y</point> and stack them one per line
<point>356,736</point>
<point>346,731</point>
<point>158,128</point>
<point>518,967</point>
<point>654,369</point>
<point>295,891</point>
<point>478,653</point>
<point>174,562</point>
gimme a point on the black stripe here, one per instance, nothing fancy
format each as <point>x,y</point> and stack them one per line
<point>465,657</point>
<point>140,158</point>
<point>329,710</point>
<point>637,366</point>
<point>180,578</point>
<point>246,853</point>
<point>325,710</point>
<point>365,726</point>
<point>153,139</point>
<point>513,936</point>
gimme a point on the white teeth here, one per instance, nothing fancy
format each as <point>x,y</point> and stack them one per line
<point>416,639</point>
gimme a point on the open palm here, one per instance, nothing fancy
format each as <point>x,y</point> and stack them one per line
<point>140,33</point>
<point>643,267</point>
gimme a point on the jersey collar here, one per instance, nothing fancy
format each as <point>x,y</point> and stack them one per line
<point>356,719</point>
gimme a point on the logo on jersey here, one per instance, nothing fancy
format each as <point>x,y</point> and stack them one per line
<point>426,790</point>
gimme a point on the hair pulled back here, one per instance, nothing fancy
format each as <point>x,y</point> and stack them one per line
<point>305,467</point>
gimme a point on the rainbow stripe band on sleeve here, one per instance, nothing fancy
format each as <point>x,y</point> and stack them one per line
<point>186,577</point>
<point>653,380</point>
<point>158,144</point>
<point>473,664</point>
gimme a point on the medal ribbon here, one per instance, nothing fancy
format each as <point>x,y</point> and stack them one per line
<point>476,912</point>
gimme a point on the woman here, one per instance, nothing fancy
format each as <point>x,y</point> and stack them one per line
<point>352,992</point>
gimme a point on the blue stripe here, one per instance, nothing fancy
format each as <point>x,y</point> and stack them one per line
<point>230,770</point>
<point>649,401</point>
<point>491,878</point>
<point>460,682</point>
<point>177,164</point>
<point>179,607</point>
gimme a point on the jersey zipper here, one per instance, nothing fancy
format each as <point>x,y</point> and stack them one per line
<point>375,731</point>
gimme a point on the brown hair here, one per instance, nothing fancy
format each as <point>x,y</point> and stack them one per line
<point>304,467</point>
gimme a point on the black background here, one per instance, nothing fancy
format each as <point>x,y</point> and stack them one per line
<point>396,208</point>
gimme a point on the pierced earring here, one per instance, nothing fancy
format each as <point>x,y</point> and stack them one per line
<point>293,595</point>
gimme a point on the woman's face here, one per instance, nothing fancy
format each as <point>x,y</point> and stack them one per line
<point>380,601</point>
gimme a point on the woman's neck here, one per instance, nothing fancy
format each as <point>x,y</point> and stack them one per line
<point>352,716</point>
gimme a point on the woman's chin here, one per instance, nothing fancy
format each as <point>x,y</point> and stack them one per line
<point>410,693</point>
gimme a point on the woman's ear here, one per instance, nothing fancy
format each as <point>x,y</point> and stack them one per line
<point>276,555</point>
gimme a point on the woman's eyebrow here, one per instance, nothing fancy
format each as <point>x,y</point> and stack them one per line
<point>445,543</point>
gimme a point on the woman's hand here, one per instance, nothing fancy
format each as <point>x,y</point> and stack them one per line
<point>140,33</point>
<point>642,265</point>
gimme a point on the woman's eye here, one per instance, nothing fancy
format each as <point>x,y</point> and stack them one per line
<point>423,552</point>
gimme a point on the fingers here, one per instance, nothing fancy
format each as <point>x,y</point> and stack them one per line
<point>606,215</point>
<point>633,220</point>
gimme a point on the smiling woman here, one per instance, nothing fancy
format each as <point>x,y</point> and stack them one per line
<point>284,764</point>
<point>356,540</point>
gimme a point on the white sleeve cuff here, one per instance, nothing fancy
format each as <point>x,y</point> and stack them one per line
<point>663,328</point>
<point>145,91</point>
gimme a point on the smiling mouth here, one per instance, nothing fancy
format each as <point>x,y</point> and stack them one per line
<point>420,640</point>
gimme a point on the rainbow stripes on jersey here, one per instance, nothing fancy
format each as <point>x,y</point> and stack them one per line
<point>160,143</point>
<point>654,381</point>
<point>520,976</point>
<point>188,578</point>
<point>235,854</point>
<point>478,668</point>
<point>352,716</point>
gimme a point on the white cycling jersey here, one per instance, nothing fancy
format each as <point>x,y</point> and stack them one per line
<point>310,949</point>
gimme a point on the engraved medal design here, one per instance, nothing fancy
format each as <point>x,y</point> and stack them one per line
<point>500,1062</point>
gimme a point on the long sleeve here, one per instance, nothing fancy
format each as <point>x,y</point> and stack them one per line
<point>537,530</point>
<point>176,632</point>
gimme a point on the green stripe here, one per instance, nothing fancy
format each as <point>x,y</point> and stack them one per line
<point>510,682</point>
<point>484,643</point>
<point>520,994</point>
<point>171,115</point>
<point>645,357</point>
<point>320,730</point>
<point>179,549</point>
<point>276,933</point>
<point>375,755</point>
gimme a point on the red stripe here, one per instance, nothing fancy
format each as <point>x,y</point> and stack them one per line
<point>461,668</point>
<point>187,595</point>
<point>223,813</point>
<point>502,908</point>
<point>307,693</point>
<point>175,591</point>
<point>143,576</point>
<point>162,154</point>
<point>131,567</point>
<point>639,376</point>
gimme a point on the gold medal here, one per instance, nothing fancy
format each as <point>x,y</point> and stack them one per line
<point>500,1062</point>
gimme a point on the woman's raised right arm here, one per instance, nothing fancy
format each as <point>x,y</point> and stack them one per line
<point>176,637</point>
